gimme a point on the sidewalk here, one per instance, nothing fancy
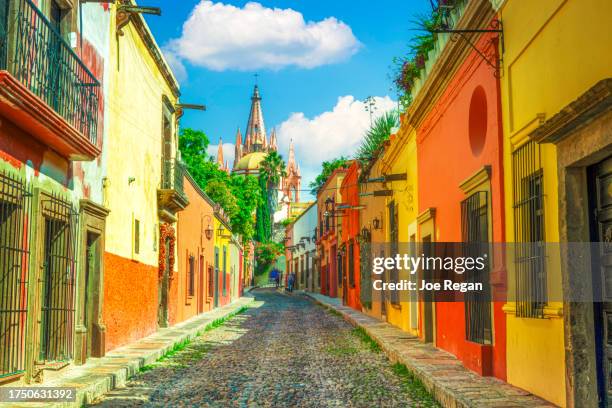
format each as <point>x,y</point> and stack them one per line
<point>100,375</point>
<point>443,375</point>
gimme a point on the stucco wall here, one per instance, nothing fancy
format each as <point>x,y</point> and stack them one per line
<point>130,300</point>
<point>446,159</point>
<point>191,240</point>
<point>554,51</point>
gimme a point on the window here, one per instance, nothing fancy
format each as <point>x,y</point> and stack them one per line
<point>365,263</point>
<point>475,235</point>
<point>528,206</point>
<point>136,236</point>
<point>351,264</point>
<point>224,271</point>
<point>304,270</point>
<point>191,276</point>
<point>15,210</point>
<point>210,281</point>
<point>57,279</point>
<point>393,241</point>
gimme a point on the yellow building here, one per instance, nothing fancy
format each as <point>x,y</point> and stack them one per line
<point>222,259</point>
<point>399,166</point>
<point>143,181</point>
<point>373,217</point>
<point>555,85</point>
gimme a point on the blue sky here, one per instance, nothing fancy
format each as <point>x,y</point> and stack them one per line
<point>343,49</point>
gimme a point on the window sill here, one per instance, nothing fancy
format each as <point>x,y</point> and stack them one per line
<point>550,312</point>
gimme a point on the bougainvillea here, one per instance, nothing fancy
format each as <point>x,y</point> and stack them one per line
<point>166,232</point>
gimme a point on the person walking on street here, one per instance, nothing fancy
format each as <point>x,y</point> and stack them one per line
<point>291,281</point>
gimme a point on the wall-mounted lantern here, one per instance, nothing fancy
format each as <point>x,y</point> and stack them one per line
<point>221,230</point>
<point>329,205</point>
<point>209,230</point>
<point>376,223</point>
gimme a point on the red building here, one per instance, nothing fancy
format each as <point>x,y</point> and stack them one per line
<point>349,236</point>
<point>460,178</point>
<point>327,234</point>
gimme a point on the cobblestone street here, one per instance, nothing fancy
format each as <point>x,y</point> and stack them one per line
<point>283,351</point>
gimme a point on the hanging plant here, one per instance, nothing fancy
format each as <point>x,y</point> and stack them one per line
<point>408,69</point>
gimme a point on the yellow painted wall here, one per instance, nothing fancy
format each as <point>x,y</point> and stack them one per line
<point>222,240</point>
<point>401,157</point>
<point>134,145</point>
<point>374,207</point>
<point>555,50</point>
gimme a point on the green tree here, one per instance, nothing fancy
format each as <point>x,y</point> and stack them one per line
<point>271,169</point>
<point>237,195</point>
<point>266,254</point>
<point>377,135</point>
<point>248,195</point>
<point>328,168</point>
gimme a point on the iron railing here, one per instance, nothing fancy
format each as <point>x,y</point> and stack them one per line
<point>528,188</point>
<point>173,172</point>
<point>35,53</point>
<point>58,280</point>
<point>15,215</point>
<point>475,234</point>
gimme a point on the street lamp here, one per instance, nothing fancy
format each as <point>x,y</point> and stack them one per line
<point>208,232</point>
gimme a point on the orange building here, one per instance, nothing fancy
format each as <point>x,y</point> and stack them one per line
<point>329,222</point>
<point>192,292</point>
<point>349,236</point>
<point>461,195</point>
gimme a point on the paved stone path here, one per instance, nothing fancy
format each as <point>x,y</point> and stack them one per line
<point>285,351</point>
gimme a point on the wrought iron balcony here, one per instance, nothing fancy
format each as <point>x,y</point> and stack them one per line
<point>39,59</point>
<point>171,196</point>
<point>172,175</point>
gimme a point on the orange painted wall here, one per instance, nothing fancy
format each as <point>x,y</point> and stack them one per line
<point>350,233</point>
<point>445,160</point>
<point>192,241</point>
<point>130,300</point>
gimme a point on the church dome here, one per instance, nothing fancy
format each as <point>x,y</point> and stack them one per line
<point>250,162</point>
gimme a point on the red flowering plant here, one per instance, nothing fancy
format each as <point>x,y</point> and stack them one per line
<point>408,69</point>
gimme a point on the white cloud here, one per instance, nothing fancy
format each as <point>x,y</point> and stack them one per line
<point>329,135</point>
<point>221,36</point>
<point>179,70</point>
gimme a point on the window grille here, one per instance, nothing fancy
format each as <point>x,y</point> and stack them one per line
<point>475,235</point>
<point>394,244</point>
<point>351,264</point>
<point>191,276</point>
<point>224,271</point>
<point>339,268</point>
<point>15,213</point>
<point>211,281</point>
<point>365,263</point>
<point>528,203</point>
<point>57,279</point>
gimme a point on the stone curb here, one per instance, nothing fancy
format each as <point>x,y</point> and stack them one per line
<point>441,390</point>
<point>120,364</point>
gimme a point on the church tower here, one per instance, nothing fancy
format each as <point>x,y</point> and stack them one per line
<point>256,129</point>
<point>292,181</point>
